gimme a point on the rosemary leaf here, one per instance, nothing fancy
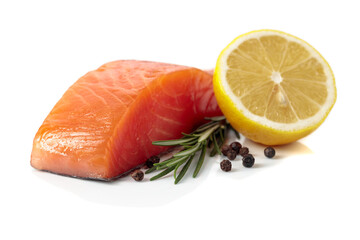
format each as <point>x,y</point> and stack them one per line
<point>216,147</point>
<point>182,159</point>
<point>217,131</point>
<point>150,170</point>
<point>172,159</point>
<point>189,143</point>
<point>188,151</point>
<point>207,133</point>
<point>236,132</point>
<point>187,135</point>
<point>211,133</point>
<point>161,167</point>
<point>163,173</point>
<point>172,142</point>
<point>187,146</point>
<point>201,159</point>
<point>179,164</point>
<point>217,119</point>
<point>213,152</point>
<point>205,126</point>
<point>184,169</point>
<point>219,143</point>
<point>221,135</point>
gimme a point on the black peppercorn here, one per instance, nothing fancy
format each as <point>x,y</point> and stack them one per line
<point>225,165</point>
<point>137,175</point>
<point>269,152</point>
<point>231,155</point>
<point>235,146</point>
<point>150,162</point>
<point>248,160</point>
<point>225,149</point>
<point>243,151</point>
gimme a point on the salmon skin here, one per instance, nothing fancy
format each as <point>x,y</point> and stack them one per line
<point>105,123</point>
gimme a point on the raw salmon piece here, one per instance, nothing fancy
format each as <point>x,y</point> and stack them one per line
<point>104,124</point>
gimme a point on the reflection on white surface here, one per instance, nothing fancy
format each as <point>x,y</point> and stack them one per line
<point>126,192</point>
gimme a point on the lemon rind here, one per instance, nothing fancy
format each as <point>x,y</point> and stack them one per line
<point>308,123</point>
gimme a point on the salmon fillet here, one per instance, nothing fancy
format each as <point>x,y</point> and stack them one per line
<point>105,123</point>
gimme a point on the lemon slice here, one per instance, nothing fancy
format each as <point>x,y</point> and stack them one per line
<point>273,87</point>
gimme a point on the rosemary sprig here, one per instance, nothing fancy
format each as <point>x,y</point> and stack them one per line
<point>212,133</point>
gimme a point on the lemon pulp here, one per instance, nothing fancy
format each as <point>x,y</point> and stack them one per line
<point>270,84</point>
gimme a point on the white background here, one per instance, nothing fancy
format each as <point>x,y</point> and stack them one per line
<point>309,191</point>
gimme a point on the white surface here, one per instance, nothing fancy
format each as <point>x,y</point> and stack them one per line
<point>310,191</point>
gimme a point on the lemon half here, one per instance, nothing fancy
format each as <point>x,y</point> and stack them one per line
<point>273,87</point>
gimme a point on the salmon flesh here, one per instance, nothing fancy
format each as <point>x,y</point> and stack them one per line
<point>105,123</point>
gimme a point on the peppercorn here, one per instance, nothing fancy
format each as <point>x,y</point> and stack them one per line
<point>150,162</point>
<point>225,165</point>
<point>137,175</point>
<point>235,146</point>
<point>243,151</point>
<point>225,149</point>
<point>269,152</point>
<point>231,155</point>
<point>248,160</point>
